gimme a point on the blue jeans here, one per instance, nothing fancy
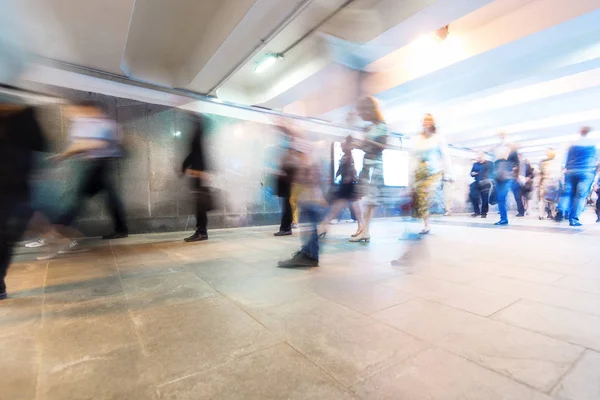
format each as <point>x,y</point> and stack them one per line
<point>502,189</point>
<point>315,214</point>
<point>575,191</point>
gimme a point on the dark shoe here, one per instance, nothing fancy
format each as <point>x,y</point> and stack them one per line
<point>116,235</point>
<point>2,290</point>
<point>559,217</point>
<point>519,215</point>
<point>299,260</point>
<point>196,237</point>
<point>483,215</point>
<point>424,232</point>
<point>502,222</point>
<point>283,233</point>
<point>598,220</point>
<point>3,295</point>
<point>475,215</point>
<point>575,223</point>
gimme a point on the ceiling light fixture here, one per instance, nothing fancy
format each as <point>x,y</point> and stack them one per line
<point>266,62</point>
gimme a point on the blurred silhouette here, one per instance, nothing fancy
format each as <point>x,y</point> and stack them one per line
<point>370,180</point>
<point>430,152</point>
<point>480,188</point>
<point>196,167</point>
<point>96,143</point>
<point>506,171</point>
<point>550,185</point>
<point>285,180</point>
<point>580,169</point>
<point>20,137</point>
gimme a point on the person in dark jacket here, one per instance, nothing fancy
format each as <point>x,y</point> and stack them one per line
<point>20,137</point>
<point>195,166</point>
<point>480,188</point>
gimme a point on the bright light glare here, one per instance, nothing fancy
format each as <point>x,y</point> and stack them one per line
<point>177,134</point>
<point>266,63</point>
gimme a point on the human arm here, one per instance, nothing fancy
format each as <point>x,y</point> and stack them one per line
<point>79,146</point>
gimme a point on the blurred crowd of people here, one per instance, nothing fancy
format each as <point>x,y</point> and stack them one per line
<point>95,141</point>
<point>563,188</point>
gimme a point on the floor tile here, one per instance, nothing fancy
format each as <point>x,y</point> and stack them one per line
<point>187,338</point>
<point>85,330</point>
<point>348,345</point>
<point>19,365</point>
<point>275,373</point>
<point>579,284</point>
<point>583,381</point>
<point>364,297</point>
<point>158,290</point>
<point>451,294</point>
<point>569,299</point>
<point>123,373</point>
<point>528,357</point>
<point>437,375</point>
<point>570,326</point>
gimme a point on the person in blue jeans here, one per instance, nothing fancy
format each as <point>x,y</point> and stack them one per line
<point>580,169</point>
<point>505,172</point>
<point>311,199</point>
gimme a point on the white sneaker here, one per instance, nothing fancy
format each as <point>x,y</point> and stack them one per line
<point>334,222</point>
<point>36,243</point>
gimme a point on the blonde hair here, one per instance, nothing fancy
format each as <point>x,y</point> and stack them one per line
<point>373,104</point>
<point>551,153</point>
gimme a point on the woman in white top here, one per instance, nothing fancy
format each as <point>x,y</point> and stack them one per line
<point>430,152</point>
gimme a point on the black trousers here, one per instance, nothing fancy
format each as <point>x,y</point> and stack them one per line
<point>202,206</point>
<point>480,197</point>
<point>286,215</point>
<point>98,177</point>
<point>14,217</point>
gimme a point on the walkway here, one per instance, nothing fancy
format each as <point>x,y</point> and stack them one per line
<point>483,314</point>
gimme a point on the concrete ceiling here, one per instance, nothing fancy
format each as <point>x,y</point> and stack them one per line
<point>529,67</point>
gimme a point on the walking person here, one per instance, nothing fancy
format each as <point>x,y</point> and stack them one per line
<point>480,190</point>
<point>370,180</point>
<point>526,180</point>
<point>20,137</point>
<point>549,189</point>
<point>580,169</point>
<point>311,199</point>
<point>430,153</point>
<point>346,194</point>
<point>285,180</point>
<point>96,144</point>
<point>195,166</point>
<point>506,168</point>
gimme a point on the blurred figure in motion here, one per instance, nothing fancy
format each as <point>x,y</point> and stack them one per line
<point>526,181</point>
<point>370,181</point>
<point>96,142</point>
<point>580,169</point>
<point>430,152</point>
<point>311,200</point>
<point>448,188</point>
<point>294,204</point>
<point>506,167</point>
<point>346,194</point>
<point>196,167</point>
<point>549,190</point>
<point>285,180</point>
<point>480,188</point>
<point>20,137</point>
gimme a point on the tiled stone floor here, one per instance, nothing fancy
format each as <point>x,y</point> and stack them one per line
<point>506,313</point>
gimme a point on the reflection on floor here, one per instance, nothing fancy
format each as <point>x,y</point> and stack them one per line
<point>480,314</point>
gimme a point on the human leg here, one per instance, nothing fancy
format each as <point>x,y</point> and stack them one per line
<point>308,256</point>
<point>474,196</point>
<point>286,216</point>
<point>518,194</point>
<point>484,193</point>
<point>113,201</point>
<point>582,183</point>
<point>502,189</point>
